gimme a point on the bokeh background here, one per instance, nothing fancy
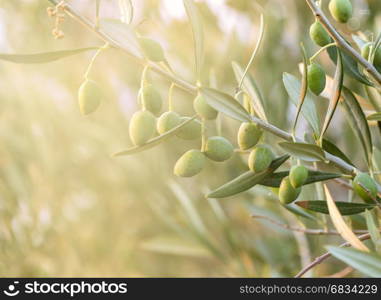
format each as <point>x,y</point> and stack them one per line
<point>67,208</point>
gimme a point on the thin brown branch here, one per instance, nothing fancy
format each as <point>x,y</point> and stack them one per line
<point>341,42</point>
<point>303,230</point>
<point>323,257</point>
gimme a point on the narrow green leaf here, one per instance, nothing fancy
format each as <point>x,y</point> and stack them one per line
<point>226,104</point>
<point>334,150</point>
<point>374,117</point>
<point>358,122</point>
<point>246,181</point>
<point>350,65</point>
<point>122,34</point>
<point>298,211</point>
<point>252,89</point>
<point>303,87</point>
<point>373,230</point>
<point>307,152</point>
<point>345,208</point>
<point>367,263</point>
<point>45,57</point>
<point>198,33</point>
<point>275,179</point>
<point>293,87</point>
<point>337,88</point>
<point>126,11</point>
<point>155,141</point>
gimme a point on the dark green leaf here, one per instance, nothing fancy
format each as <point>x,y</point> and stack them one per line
<point>226,104</point>
<point>334,150</point>
<point>350,65</point>
<point>307,152</point>
<point>246,181</point>
<point>275,179</point>
<point>155,141</point>
<point>367,263</point>
<point>293,87</point>
<point>298,211</point>
<point>345,208</point>
<point>358,122</point>
<point>39,58</point>
<point>374,117</point>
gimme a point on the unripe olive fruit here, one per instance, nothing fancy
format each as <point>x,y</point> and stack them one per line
<point>167,121</point>
<point>287,193</point>
<point>341,10</point>
<point>218,148</point>
<point>152,49</point>
<point>151,98</point>
<point>365,51</point>
<point>319,35</point>
<point>248,135</point>
<point>89,96</point>
<point>142,127</point>
<point>203,109</point>
<point>260,159</point>
<point>190,163</point>
<point>190,131</point>
<point>298,176</point>
<point>365,187</point>
<point>316,78</point>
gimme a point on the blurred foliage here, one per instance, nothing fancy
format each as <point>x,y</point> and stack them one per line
<point>68,209</point>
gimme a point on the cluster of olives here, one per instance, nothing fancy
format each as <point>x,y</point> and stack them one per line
<point>341,11</point>
<point>291,186</point>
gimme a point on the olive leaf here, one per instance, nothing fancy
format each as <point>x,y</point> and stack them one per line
<point>299,211</point>
<point>345,208</point>
<point>307,152</point>
<point>252,89</point>
<point>155,141</point>
<point>293,87</point>
<point>334,150</point>
<point>225,104</point>
<point>198,33</point>
<point>367,263</point>
<point>43,57</point>
<point>358,122</point>
<point>336,94</point>
<point>246,181</point>
<point>275,179</point>
<point>126,11</point>
<point>121,33</point>
<point>343,229</point>
<point>374,117</point>
<point>350,65</point>
<point>373,230</point>
<point>303,87</point>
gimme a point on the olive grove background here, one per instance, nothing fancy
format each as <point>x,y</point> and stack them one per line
<point>67,208</point>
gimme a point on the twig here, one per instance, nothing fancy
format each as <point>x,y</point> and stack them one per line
<point>303,230</point>
<point>341,42</point>
<point>323,257</point>
<point>192,89</point>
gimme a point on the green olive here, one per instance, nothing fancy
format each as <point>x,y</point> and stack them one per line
<point>298,176</point>
<point>151,98</point>
<point>167,121</point>
<point>319,35</point>
<point>341,10</point>
<point>287,193</point>
<point>142,127</point>
<point>203,109</point>
<point>190,163</point>
<point>89,97</point>
<point>218,148</point>
<point>316,79</point>
<point>260,159</point>
<point>249,135</point>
